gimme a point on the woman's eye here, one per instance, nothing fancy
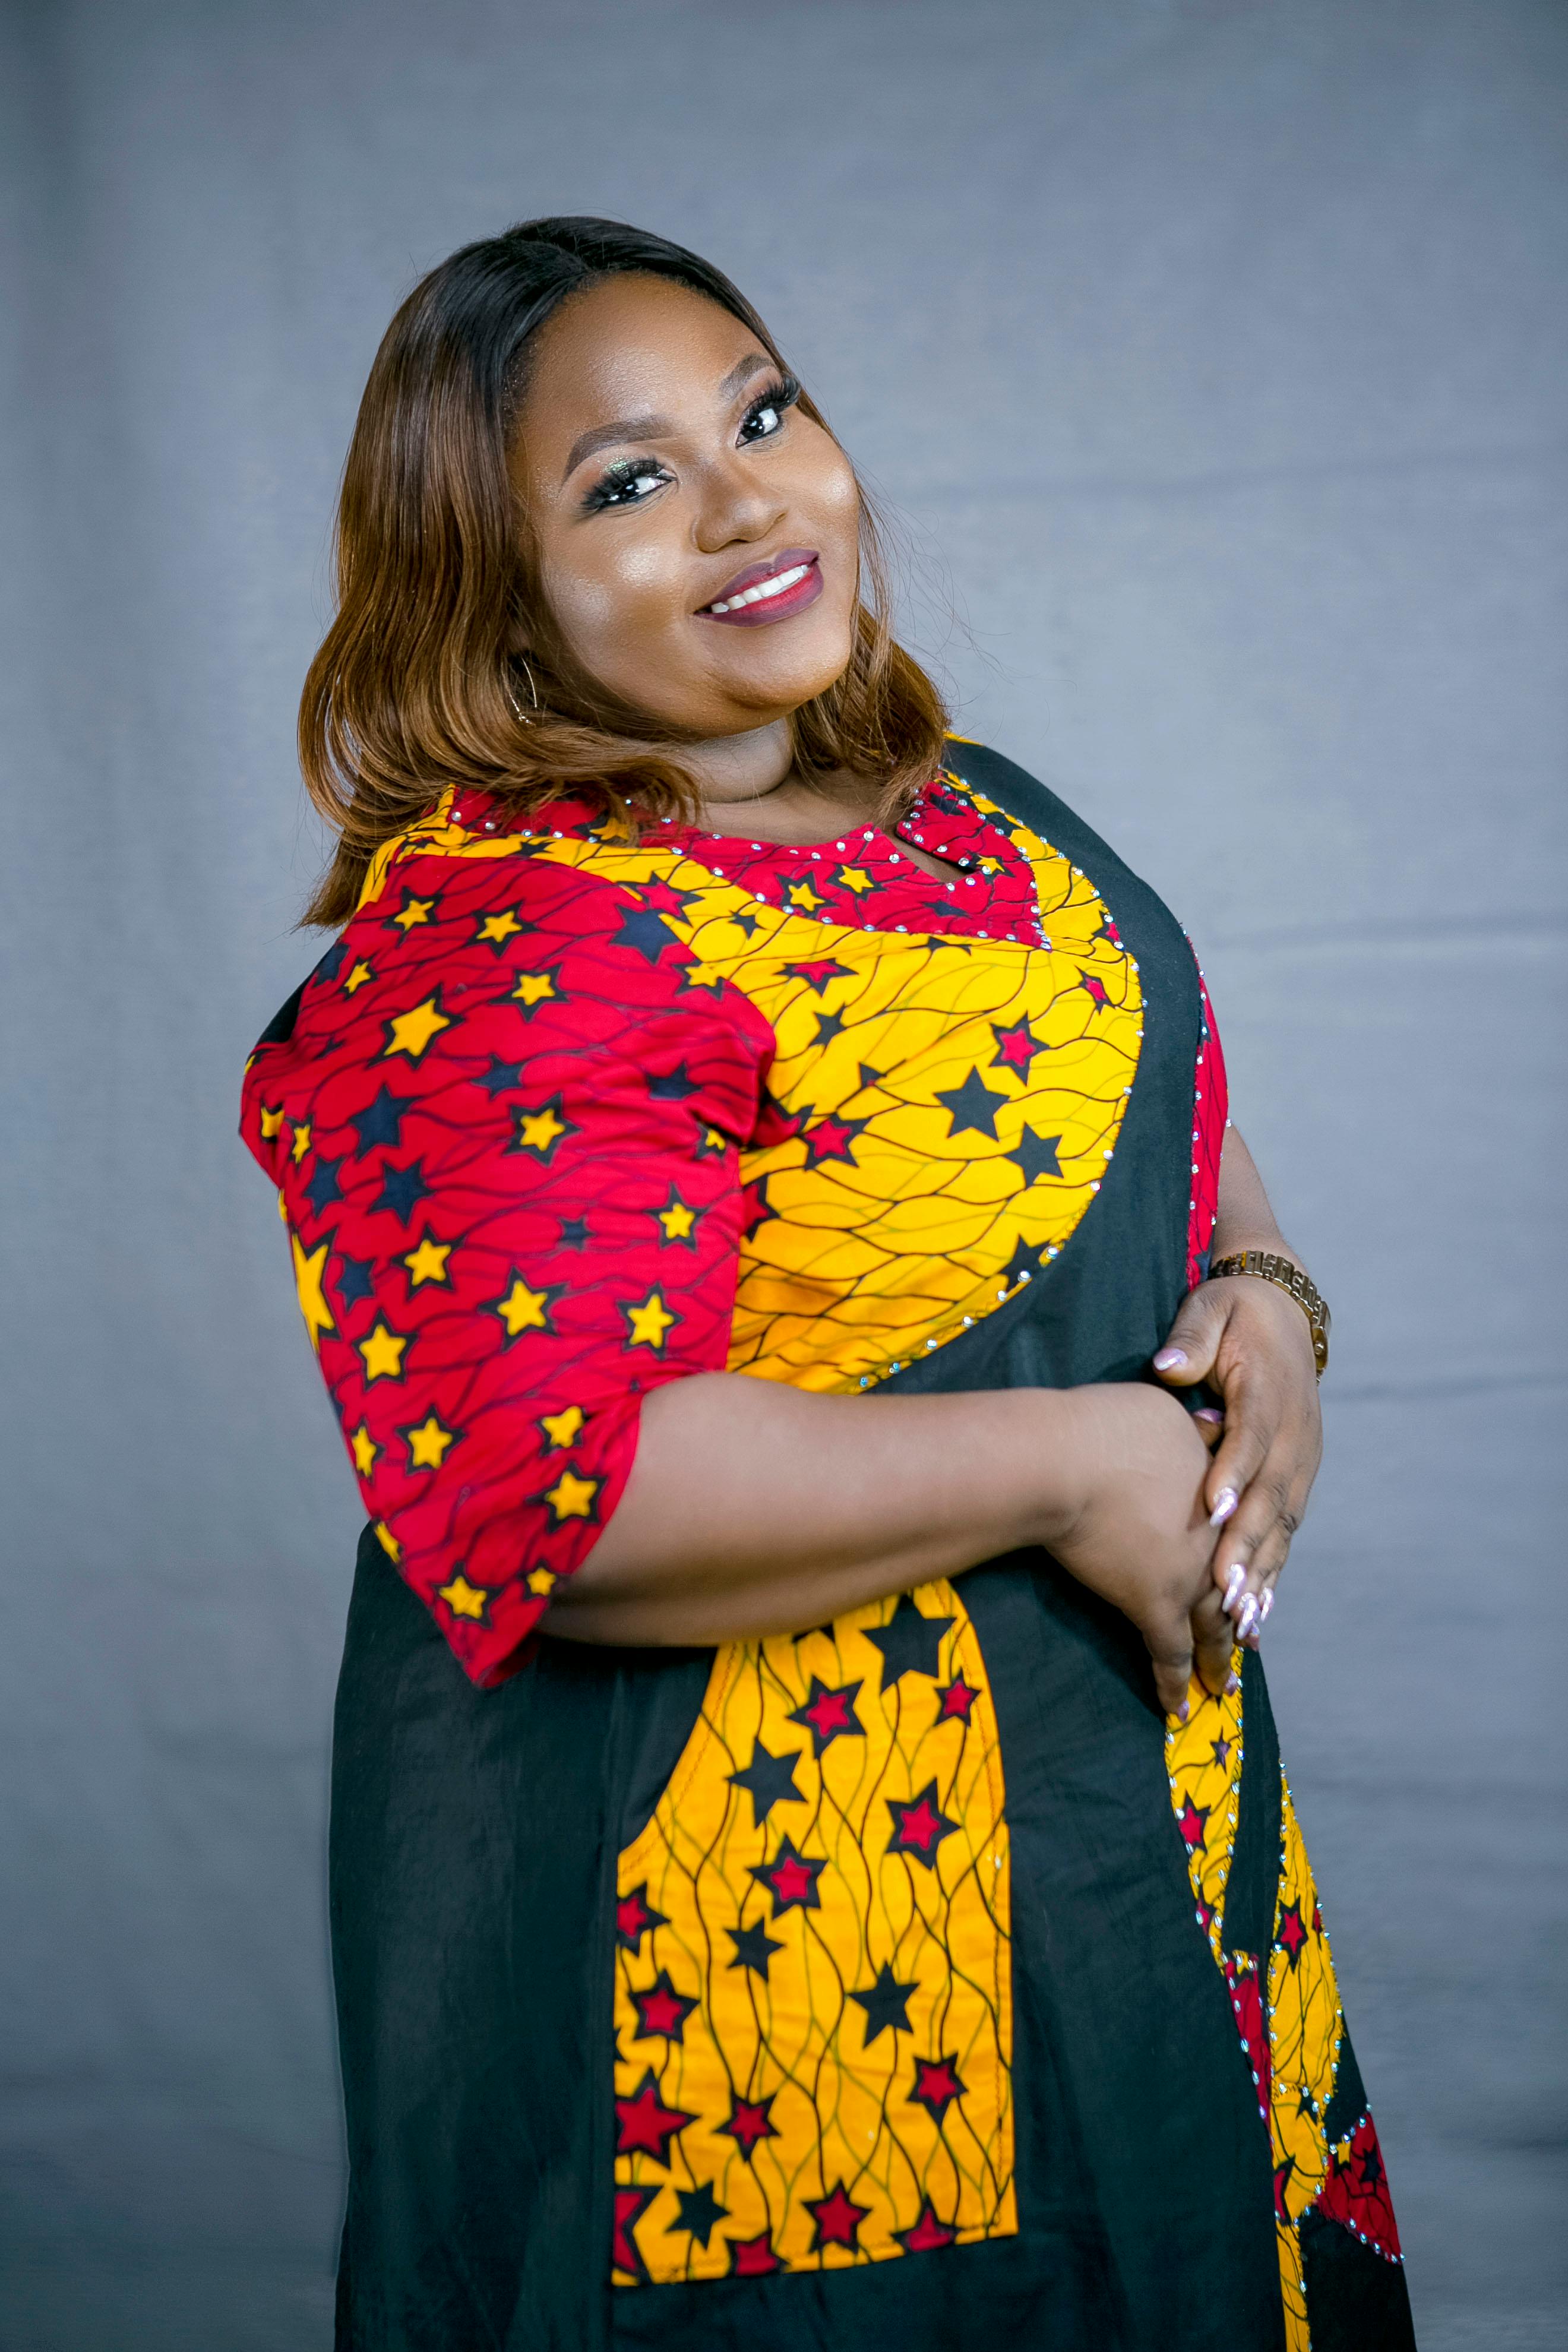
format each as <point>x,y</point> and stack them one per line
<point>628,484</point>
<point>768,414</point>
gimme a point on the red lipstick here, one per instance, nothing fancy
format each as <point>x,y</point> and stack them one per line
<point>770,591</point>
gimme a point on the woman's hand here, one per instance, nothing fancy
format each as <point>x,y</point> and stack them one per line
<point>1143,1537</point>
<point>1251,1340</point>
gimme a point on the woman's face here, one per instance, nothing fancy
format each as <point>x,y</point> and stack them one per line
<point>666,478</point>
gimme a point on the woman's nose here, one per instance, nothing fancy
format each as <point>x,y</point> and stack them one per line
<point>735,507</point>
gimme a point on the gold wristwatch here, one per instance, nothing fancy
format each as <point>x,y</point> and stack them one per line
<point>1288,1276</point>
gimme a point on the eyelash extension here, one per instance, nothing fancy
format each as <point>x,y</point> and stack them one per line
<point>619,477</point>
<point>782,395</point>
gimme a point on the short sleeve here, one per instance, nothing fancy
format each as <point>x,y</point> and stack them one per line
<point>504,1122</point>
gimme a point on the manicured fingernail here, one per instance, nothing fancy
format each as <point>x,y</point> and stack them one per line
<point>1234,1582</point>
<point>1248,1621</point>
<point>1223,1507</point>
<point>1264,1606</point>
<point>1207,1412</point>
<point>1169,1358</point>
<point>1232,1684</point>
<point>1182,1712</point>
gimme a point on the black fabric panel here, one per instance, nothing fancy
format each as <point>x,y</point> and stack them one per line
<point>1356,2302</point>
<point>473,1858</point>
<point>1252,1889</point>
<point>1099,1310</point>
<point>1349,2103</point>
<point>281,1028</point>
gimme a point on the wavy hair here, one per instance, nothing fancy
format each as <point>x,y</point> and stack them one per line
<point>418,684</point>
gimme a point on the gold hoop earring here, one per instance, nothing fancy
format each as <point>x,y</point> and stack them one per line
<point>518,713</point>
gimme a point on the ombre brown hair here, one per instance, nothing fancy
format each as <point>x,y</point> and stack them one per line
<point>420,682</point>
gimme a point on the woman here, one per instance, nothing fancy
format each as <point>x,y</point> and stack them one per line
<point>747,1157</point>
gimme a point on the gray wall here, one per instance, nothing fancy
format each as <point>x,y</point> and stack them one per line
<point>1217,350</point>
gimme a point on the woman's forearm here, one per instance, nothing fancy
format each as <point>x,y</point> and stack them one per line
<point>753,1508</point>
<point>1244,1219</point>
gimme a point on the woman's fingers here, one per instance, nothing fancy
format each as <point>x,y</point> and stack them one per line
<point>1213,1642</point>
<point>1193,1338</point>
<point>1167,1632</point>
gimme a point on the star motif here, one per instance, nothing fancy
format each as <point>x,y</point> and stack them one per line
<point>539,1581</point>
<point>817,974</point>
<point>803,895</point>
<point>413,912</point>
<point>886,2004</point>
<point>714,1144</point>
<point>830,1139</point>
<point>412,1032</point>
<point>1371,2162</point>
<point>645,2125</point>
<point>829,1714</point>
<point>271,1120</point>
<point>541,1130</point>
<point>572,1497</point>
<point>494,931</point>
<point>853,879</point>
<point>927,2234</point>
<point>751,2121</point>
<point>308,1273</point>
<point>1036,1156</point>
<point>331,964</point>
<point>354,1281</point>
<point>427,1262</point>
<point>429,1444</point>
<point>910,1642</point>
<point>501,1078</point>
<point>383,1354</point>
<point>402,1190</point>
<point>523,1310</point>
<point>770,1779</point>
<point>650,1323</point>
<point>358,976</point>
<point>364,1449</point>
<point>972,1107</point>
<point>647,932</point>
<point>937,2083</point>
<point>661,2011</point>
<point>678,1221</point>
<point>919,1827</point>
<point>562,1428</point>
<point>1096,989</point>
<point>1016,1047</point>
<point>1291,1935</point>
<point>382,1122</point>
<point>301,1143</point>
<point>745,921</point>
<point>1192,1821</point>
<point>755,1948</point>
<point>323,1187</point>
<point>533,989</point>
<point>838,2219</point>
<point>700,2212</point>
<point>1222,1753</point>
<point>672,1085</point>
<point>828,1025</point>
<point>789,1878</point>
<point>635,1917</point>
<point>665,899</point>
<point>463,1599</point>
<point>574,1233</point>
<point>954,1700</point>
<point>751,2257</point>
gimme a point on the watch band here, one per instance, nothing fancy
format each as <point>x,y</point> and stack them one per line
<point>1285,1273</point>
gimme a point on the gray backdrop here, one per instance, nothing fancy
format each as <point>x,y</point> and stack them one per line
<point>1216,351</point>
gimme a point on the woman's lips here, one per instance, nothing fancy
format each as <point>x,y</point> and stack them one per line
<point>785,584</point>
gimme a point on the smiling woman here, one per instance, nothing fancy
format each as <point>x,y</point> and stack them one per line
<point>810,1859</point>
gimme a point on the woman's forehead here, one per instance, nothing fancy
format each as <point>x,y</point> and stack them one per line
<point>630,344</point>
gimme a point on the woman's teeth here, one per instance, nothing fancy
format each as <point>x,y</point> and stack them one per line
<point>764,589</point>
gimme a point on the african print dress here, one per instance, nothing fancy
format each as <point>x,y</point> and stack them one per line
<point>893,1982</point>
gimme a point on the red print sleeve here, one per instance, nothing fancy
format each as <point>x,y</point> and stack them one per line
<point>1211,1117</point>
<point>504,1126</point>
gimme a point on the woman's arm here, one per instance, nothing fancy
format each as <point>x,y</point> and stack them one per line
<point>753,1508</point>
<point>1251,1342</point>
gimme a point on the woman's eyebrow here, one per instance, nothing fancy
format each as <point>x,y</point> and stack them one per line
<point>649,428</point>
